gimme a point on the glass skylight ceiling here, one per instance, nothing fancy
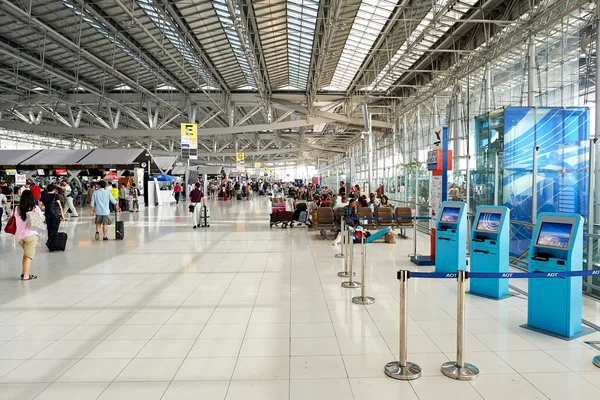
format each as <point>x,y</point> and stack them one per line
<point>301,22</point>
<point>370,20</point>
<point>226,20</point>
<point>420,40</point>
<point>104,32</point>
<point>170,32</point>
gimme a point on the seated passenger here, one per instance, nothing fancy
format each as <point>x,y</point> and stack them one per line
<point>385,203</point>
<point>350,212</point>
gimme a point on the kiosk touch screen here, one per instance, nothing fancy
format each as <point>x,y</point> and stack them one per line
<point>554,235</point>
<point>488,222</point>
<point>450,215</point>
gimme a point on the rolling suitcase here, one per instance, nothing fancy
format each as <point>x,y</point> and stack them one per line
<point>57,241</point>
<point>119,229</point>
<point>205,217</point>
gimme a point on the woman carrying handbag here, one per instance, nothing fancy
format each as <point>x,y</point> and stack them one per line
<point>26,218</point>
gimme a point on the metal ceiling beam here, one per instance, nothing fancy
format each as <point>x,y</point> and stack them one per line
<point>24,17</point>
<point>173,59</point>
<point>547,14</point>
<point>109,23</point>
<point>247,31</point>
<point>330,116</point>
<point>185,31</point>
<point>158,133</point>
<point>400,8</point>
<point>321,48</point>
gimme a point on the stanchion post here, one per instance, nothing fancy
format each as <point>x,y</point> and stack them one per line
<point>414,237</point>
<point>352,284</point>
<point>459,369</point>
<point>596,361</point>
<point>363,299</point>
<point>346,251</point>
<point>402,369</point>
<point>342,230</point>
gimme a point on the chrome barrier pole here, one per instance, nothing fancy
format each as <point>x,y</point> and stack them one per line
<point>346,251</point>
<point>596,361</point>
<point>362,299</point>
<point>341,253</point>
<point>414,237</point>
<point>351,283</point>
<point>402,369</point>
<point>459,369</point>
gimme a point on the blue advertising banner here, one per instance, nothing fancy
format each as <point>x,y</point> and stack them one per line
<point>561,135</point>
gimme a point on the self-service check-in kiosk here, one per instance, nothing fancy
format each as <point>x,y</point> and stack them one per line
<point>451,237</point>
<point>554,304</point>
<point>490,239</point>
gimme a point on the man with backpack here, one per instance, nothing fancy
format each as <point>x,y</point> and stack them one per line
<point>68,192</point>
<point>196,196</point>
<point>53,210</point>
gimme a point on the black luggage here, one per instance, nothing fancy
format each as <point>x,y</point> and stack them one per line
<point>119,229</point>
<point>57,241</point>
<point>239,196</point>
<point>205,217</point>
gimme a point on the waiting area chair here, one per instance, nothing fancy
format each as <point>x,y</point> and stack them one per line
<point>402,221</point>
<point>325,220</point>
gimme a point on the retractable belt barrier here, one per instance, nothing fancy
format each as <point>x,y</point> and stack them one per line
<point>459,369</point>
<point>363,298</point>
<point>388,219</point>
<point>350,284</point>
<point>496,275</point>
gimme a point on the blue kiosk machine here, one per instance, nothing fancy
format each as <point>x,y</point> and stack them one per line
<point>554,304</point>
<point>490,239</point>
<point>451,237</point>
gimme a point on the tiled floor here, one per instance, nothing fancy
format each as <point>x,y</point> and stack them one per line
<point>241,311</point>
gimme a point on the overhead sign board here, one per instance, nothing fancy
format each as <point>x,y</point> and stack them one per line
<point>20,179</point>
<point>189,141</point>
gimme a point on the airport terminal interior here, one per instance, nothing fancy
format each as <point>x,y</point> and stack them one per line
<point>299,199</point>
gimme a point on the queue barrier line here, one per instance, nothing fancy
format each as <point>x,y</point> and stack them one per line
<point>459,369</point>
<point>505,275</point>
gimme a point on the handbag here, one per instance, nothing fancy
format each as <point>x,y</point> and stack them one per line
<point>34,221</point>
<point>11,225</point>
<point>191,207</point>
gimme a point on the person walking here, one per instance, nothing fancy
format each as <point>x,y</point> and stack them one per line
<point>68,192</point>
<point>123,197</point>
<point>196,196</point>
<point>3,208</point>
<point>26,236</point>
<point>134,192</point>
<point>101,210</point>
<point>53,210</point>
<point>177,192</point>
<point>37,192</point>
<point>114,191</point>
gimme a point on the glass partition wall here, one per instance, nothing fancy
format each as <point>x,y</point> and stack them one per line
<point>564,72</point>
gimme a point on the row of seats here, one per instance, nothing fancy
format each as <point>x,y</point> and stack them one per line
<point>383,217</point>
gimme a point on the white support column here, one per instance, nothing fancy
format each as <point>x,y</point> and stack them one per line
<point>531,73</point>
<point>457,151</point>
<point>488,88</point>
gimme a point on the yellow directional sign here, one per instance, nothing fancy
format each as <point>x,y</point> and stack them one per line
<point>239,156</point>
<point>266,169</point>
<point>256,165</point>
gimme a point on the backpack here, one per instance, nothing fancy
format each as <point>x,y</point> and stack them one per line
<point>54,209</point>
